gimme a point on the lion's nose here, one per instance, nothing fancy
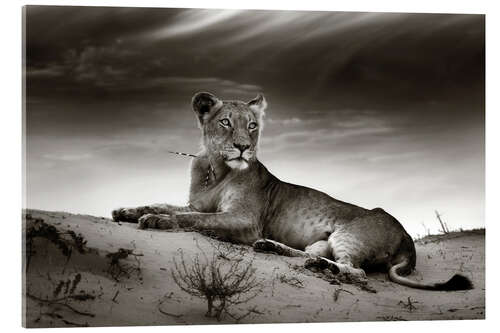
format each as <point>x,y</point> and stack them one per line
<point>241,146</point>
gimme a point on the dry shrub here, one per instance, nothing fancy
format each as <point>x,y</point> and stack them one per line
<point>225,280</point>
<point>65,241</point>
<point>62,296</point>
<point>117,268</point>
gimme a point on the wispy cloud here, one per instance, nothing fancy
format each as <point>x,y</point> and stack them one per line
<point>206,83</point>
<point>192,21</point>
<point>47,71</point>
<point>321,130</point>
<point>116,67</point>
<point>319,140</point>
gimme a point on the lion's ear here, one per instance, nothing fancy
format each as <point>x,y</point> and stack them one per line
<point>258,105</point>
<point>203,103</point>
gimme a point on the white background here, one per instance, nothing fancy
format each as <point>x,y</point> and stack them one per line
<point>11,157</point>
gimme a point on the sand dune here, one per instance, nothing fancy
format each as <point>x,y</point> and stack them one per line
<point>106,286</point>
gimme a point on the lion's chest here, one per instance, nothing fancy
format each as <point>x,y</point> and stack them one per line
<point>214,197</point>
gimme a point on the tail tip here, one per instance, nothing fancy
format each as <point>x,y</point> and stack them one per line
<point>457,282</point>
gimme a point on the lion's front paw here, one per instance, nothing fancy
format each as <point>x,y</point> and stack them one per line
<point>157,221</point>
<point>116,214</point>
<point>147,220</point>
<point>124,214</point>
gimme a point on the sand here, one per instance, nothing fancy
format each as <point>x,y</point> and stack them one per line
<point>140,290</point>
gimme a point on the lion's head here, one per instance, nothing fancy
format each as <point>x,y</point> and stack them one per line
<point>230,129</point>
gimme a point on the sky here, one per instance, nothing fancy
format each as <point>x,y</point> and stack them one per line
<point>377,109</point>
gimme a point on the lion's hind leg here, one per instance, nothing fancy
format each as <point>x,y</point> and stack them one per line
<point>271,246</point>
<point>319,249</point>
<point>316,253</point>
<point>319,252</point>
<point>348,253</point>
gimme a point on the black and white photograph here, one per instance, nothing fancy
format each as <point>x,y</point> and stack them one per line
<point>190,166</point>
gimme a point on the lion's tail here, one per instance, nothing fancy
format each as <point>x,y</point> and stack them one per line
<point>457,282</point>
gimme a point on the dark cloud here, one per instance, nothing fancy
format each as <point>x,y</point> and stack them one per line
<point>404,57</point>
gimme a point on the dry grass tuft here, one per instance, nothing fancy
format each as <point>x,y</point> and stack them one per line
<point>225,280</point>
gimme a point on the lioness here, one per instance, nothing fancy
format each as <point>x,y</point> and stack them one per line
<point>233,195</point>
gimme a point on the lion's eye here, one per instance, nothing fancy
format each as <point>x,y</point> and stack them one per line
<point>225,122</point>
<point>252,125</point>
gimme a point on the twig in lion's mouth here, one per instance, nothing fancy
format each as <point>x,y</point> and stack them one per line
<point>182,154</point>
<point>210,167</point>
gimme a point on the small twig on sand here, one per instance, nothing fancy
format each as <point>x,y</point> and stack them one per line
<point>169,314</point>
<point>114,297</point>
<point>67,322</point>
<point>444,227</point>
<point>59,302</point>
<point>336,294</point>
<point>291,281</point>
<point>410,305</point>
<point>391,318</point>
